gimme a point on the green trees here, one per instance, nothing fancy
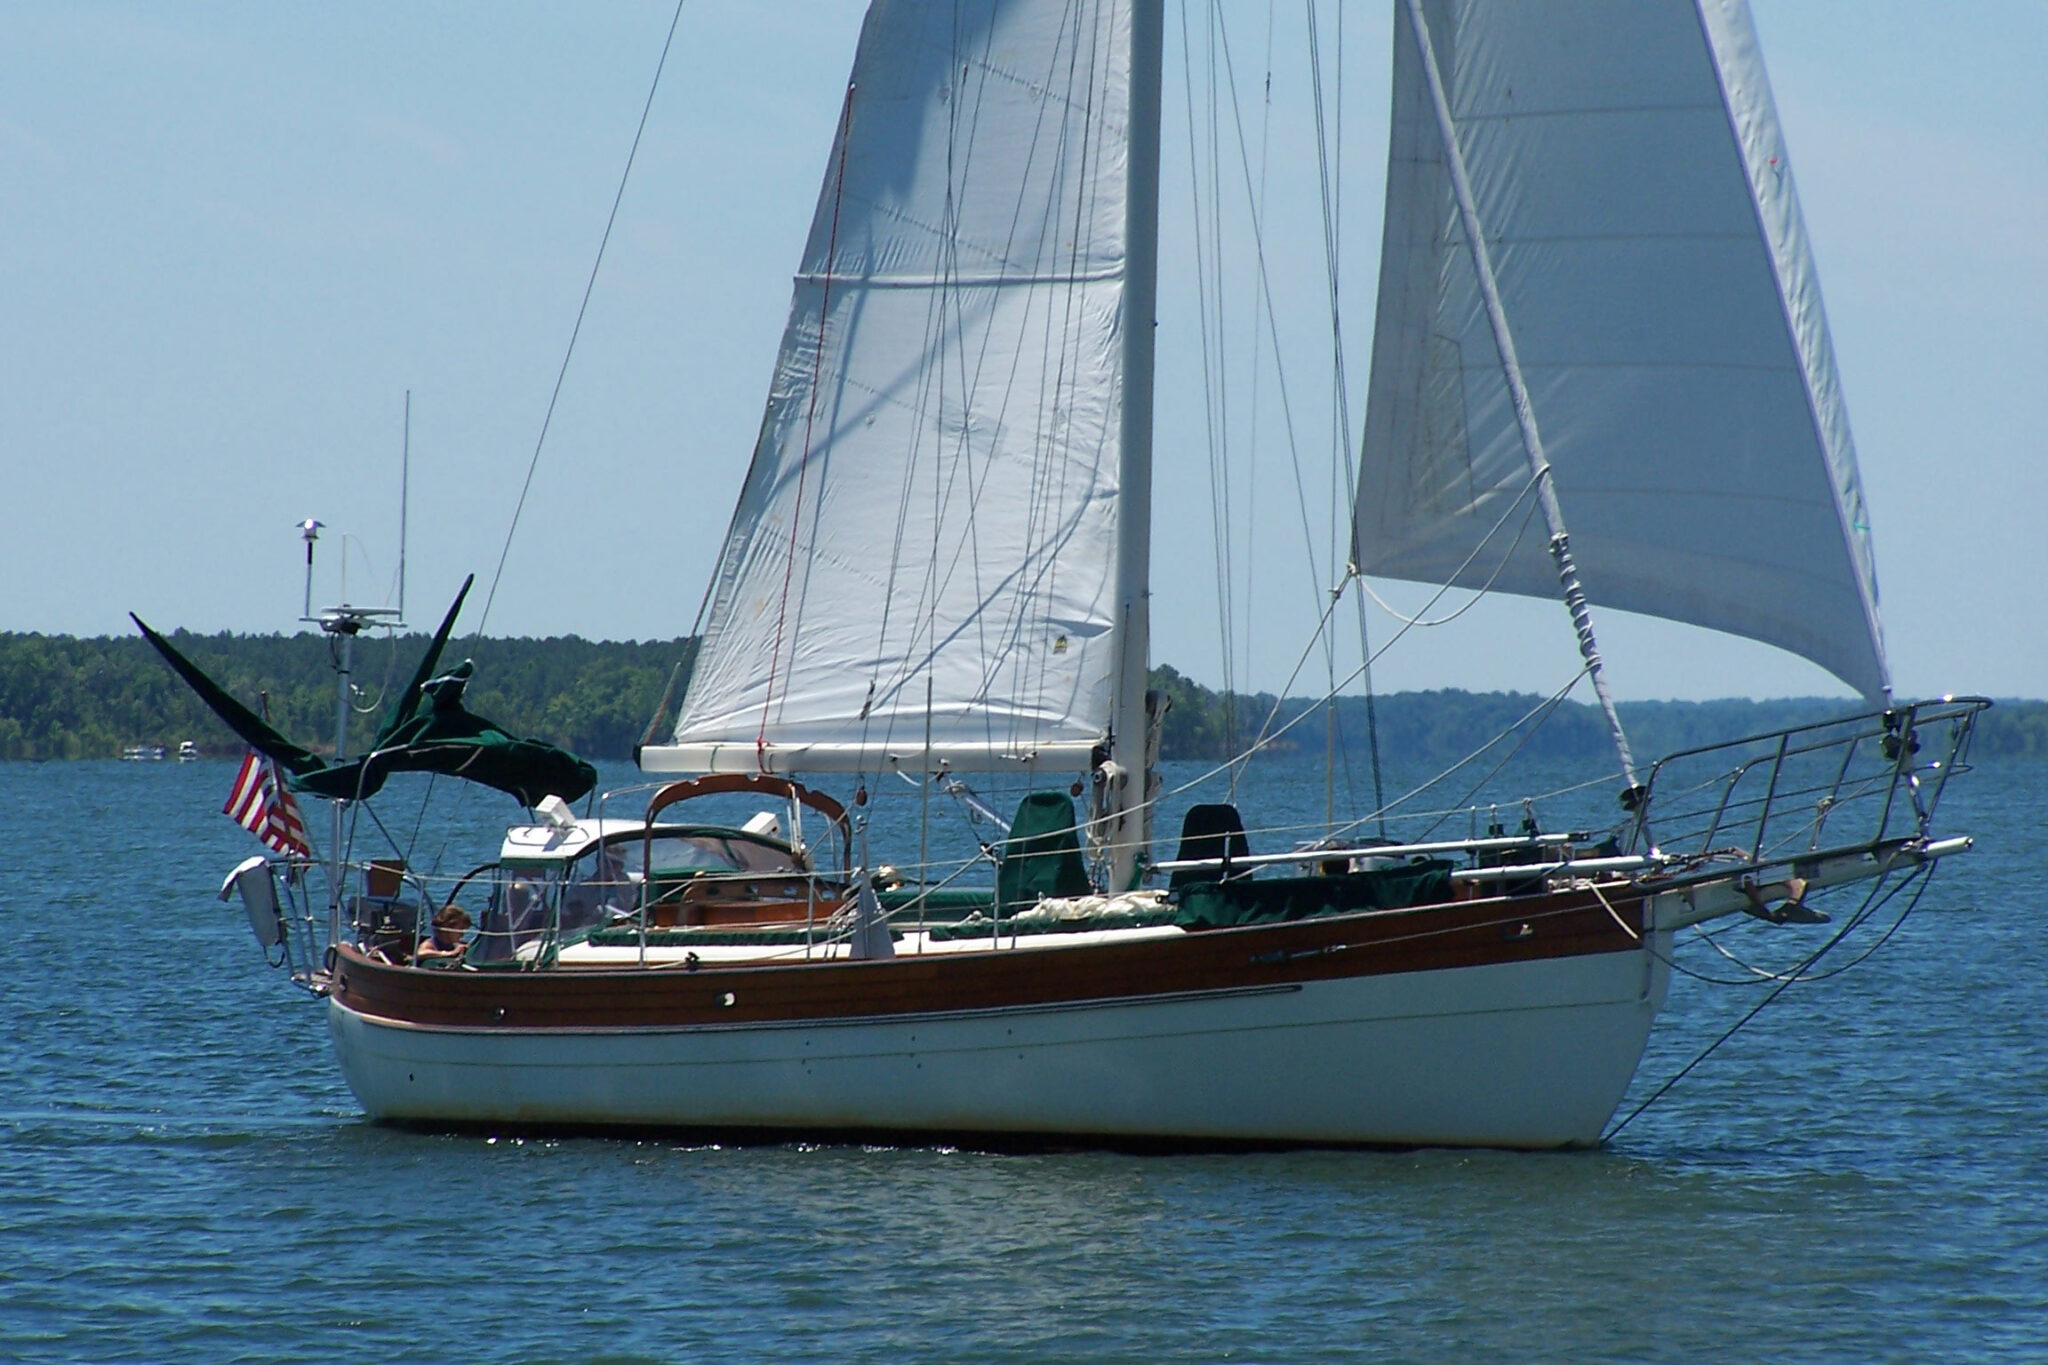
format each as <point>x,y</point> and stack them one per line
<point>62,697</point>
<point>74,698</point>
<point>1440,727</point>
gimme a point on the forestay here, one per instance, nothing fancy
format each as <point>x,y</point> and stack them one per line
<point>1632,182</point>
<point>925,541</point>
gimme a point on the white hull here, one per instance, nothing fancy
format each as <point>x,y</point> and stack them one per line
<point>1531,1054</point>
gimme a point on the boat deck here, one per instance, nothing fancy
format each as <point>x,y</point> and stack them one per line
<point>680,950</point>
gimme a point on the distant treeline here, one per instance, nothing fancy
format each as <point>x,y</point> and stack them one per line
<point>1443,726</point>
<point>63,697</point>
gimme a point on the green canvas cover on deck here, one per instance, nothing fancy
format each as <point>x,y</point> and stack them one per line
<point>1042,856</point>
<point>1211,830</point>
<point>1222,905</point>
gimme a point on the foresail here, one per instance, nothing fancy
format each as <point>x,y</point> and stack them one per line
<point>1630,175</point>
<point>922,563</point>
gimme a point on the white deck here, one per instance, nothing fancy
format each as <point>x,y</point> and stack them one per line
<point>914,943</point>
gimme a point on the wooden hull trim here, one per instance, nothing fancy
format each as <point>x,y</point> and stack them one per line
<point>1379,943</point>
<point>861,1020</point>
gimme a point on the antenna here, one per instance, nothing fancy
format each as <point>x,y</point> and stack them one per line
<point>404,495</point>
<point>309,529</point>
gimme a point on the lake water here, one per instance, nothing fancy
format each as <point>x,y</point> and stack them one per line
<point>1861,1174</point>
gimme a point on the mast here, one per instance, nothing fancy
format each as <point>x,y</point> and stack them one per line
<point>342,627</point>
<point>404,497</point>
<point>1128,781</point>
<point>1525,414</point>
<point>341,623</point>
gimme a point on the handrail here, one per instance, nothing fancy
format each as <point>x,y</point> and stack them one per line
<point>1943,708</point>
<point>1860,760</point>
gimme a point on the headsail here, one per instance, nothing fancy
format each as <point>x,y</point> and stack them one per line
<point>925,544</point>
<point>1638,204</point>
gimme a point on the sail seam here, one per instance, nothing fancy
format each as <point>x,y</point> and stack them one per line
<point>1532,237</point>
<point>1588,111</point>
<point>1105,275</point>
<point>1720,366</point>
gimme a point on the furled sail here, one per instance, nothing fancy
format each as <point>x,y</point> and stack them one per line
<point>1633,188</point>
<point>922,563</point>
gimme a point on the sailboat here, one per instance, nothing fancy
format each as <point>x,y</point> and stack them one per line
<point>1597,307</point>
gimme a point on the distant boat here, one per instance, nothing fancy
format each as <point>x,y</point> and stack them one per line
<point>143,753</point>
<point>188,752</point>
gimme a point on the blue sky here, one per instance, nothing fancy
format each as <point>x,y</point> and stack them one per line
<point>235,234</point>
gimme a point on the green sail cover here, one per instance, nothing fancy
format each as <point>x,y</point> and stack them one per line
<point>252,728</point>
<point>430,664</point>
<point>427,730</point>
<point>442,736</point>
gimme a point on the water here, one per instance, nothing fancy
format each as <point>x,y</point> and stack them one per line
<point>1859,1175</point>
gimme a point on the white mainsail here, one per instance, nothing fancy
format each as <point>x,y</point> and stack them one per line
<point>922,566</point>
<point>1633,188</point>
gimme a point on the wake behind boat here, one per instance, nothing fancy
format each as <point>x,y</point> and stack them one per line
<point>1597,309</point>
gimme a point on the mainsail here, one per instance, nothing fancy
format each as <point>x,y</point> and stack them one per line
<point>1632,185</point>
<point>922,566</point>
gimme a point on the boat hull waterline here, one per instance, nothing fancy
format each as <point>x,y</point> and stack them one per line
<point>1532,1049</point>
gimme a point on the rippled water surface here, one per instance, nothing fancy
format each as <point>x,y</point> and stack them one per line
<point>1861,1174</point>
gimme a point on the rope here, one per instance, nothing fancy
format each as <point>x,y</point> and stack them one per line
<point>1759,975</point>
<point>588,287</point>
<point>1923,876</point>
<point>1417,620</point>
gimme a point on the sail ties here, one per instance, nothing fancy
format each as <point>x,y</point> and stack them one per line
<point>1589,650</point>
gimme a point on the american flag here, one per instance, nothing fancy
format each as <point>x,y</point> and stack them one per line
<point>260,804</point>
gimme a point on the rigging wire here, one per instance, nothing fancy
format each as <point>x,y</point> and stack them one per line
<point>1215,386</point>
<point>1329,190</point>
<point>1761,976</point>
<point>1260,303</point>
<point>1372,715</point>
<point>589,286</point>
<point>1528,726</point>
<point>1536,714</point>
<point>1372,658</point>
<point>1316,574</point>
<point>1921,875</point>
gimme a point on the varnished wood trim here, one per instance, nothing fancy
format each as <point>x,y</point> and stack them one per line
<point>1376,943</point>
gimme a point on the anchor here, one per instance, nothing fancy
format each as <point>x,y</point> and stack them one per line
<point>1790,898</point>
